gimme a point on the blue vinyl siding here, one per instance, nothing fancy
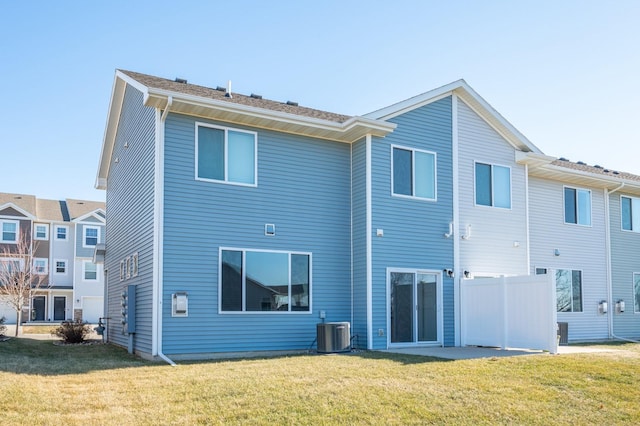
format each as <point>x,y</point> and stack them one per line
<point>129,228</point>
<point>624,263</point>
<point>413,228</point>
<point>359,220</point>
<point>87,251</point>
<point>303,188</point>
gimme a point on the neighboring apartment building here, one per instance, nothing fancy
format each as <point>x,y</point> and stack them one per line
<point>64,235</point>
<point>238,223</point>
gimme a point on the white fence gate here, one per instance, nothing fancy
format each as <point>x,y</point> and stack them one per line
<point>509,312</point>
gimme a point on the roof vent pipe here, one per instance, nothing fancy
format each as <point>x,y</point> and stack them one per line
<point>228,93</point>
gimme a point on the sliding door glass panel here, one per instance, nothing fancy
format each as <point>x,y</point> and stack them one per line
<point>402,307</point>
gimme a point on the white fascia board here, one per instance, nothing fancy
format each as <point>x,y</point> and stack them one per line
<point>108,141</point>
<point>91,214</point>
<point>22,211</point>
<point>493,117</point>
<point>378,128</point>
<point>414,102</point>
<point>471,98</point>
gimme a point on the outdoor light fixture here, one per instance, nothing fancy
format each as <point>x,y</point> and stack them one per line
<point>620,306</point>
<point>603,307</point>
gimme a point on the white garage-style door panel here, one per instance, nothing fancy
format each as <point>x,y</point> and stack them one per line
<point>92,308</point>
<point>6,312</point>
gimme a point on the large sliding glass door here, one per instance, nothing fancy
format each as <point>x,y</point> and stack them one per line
<point>414,298</point>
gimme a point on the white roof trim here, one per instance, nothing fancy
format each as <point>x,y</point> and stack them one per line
<point>92,213</point>
<point>470,98</point>
<point>353,129</point>
<point>18,209</point>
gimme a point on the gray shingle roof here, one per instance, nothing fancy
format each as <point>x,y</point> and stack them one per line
<point>51,210</point>
<point>78,208</point>
<point>237,98</point>
<point>595,169</point>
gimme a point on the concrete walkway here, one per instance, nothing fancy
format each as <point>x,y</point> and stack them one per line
<point>472,352</point>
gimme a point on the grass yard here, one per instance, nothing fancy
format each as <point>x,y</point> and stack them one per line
<point>103,385</point>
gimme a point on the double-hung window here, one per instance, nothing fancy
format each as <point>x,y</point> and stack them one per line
<point>9,231</point>
<point>263,281</point>
<point>493,185</point>
<point>61,267</point>
<point>89,271</point>
<point>569,290</point>
<point>91,236</point>
<point>40,266</point>
<point>577,206</point>
<point>414,173</point>
<point>630,208</point>
<point>61,233</point>
<point>41,232</point>
<point>226,155</point>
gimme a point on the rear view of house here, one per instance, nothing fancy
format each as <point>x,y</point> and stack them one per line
<point>238,223</point>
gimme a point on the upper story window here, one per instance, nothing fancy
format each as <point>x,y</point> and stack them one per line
<point>10,231</point>
<point>569,290</point>
<point>493,185</point>
<point>630,208</point>
<point>89,271</point>
<point>261,281</point>
<point>577,206</point>
<point>226,155</point>
<point>61,232</point>
<point>40,266</point>
<point>41,232</point>
<point>414,173</point>
<point>61,267</point>
<point>91,236</point>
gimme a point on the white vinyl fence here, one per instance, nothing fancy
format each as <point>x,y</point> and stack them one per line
<point>509,312</point>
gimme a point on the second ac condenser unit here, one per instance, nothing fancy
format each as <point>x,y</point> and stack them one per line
<point>334,337</point>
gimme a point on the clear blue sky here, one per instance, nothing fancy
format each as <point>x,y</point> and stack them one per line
<point>565,73</point>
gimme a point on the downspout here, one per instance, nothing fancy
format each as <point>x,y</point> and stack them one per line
<point>611,310</point>
<point>369,253</point>
<point>159,227</point>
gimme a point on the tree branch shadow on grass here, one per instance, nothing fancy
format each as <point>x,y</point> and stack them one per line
<point>42,357</point>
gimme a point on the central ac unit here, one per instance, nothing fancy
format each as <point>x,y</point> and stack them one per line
<point>334,337</point>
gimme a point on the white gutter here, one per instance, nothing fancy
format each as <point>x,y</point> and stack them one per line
<point>611,309</point>
<point>158,231</point>
<point>457,268</point>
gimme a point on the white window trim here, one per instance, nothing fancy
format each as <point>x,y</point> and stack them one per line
<point>46,265</point>
<point>128,267</point>
<point>413,174</point>
<point>555,283</point>
<point>17,223</point>
<point>243,311</point>
<point>633,291</point>
<point>439,304</point>
<point>66,233</point>
<point>635,231</point>
<point>564,203</point>
<point>134,265</point>
<point>226,163</point>
<point>84,270</point>
<point>493,206</point>
<point>55,266</point>
<point>122,272</point>
<point>84,235</point>
<point>46,231</point>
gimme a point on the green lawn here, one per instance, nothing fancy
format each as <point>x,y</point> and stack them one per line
<point>103,385</point>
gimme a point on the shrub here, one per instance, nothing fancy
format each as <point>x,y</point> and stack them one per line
<point>3,328</point>
<point>72,331</point>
